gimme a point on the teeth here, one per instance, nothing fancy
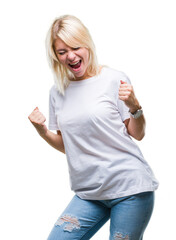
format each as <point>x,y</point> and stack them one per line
<point>74,63</point>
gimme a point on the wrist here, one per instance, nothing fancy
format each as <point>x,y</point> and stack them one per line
<point>137,113</point>
<point>135,108</point>
<point>43,132</point>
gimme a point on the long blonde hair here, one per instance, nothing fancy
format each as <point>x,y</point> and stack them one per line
<point>74,34</point>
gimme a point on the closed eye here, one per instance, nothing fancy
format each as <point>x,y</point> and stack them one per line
<point>76,48</point>
<point>61,53</point>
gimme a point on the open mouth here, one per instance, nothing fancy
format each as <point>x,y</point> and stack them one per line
<point>75,65</point>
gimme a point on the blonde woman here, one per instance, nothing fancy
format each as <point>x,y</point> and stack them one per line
<point>94,111</point>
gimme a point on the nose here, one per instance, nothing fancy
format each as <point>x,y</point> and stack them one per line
<point>71,56</point>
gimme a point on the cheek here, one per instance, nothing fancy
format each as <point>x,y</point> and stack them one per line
<point>86,57</point>
<point>61,59</point>
<point>84,53</point>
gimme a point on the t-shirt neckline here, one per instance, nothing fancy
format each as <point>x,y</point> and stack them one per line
<point>87,80</point>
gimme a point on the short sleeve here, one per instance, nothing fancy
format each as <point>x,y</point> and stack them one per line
<point>52,116</point>
<point>123,109</point>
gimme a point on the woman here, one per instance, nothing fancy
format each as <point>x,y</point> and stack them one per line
<point>95,112</point>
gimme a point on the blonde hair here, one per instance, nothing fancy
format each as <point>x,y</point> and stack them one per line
<point>74,34</point>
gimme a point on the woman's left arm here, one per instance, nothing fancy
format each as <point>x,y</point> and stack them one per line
<point>135,127</point>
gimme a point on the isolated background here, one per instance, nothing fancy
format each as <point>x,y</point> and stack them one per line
<point>133,36</point>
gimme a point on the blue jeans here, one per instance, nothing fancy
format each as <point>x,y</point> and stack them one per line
<point>128,216</point>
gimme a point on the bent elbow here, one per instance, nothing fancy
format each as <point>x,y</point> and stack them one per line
<point>140,137</point>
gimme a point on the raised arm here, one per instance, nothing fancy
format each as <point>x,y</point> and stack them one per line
<point>135,127</point>
<point>55,140</point>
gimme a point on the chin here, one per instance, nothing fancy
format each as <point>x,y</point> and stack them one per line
<point>81,75</point>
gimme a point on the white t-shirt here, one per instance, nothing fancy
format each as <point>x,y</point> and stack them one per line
<point>103,160</point>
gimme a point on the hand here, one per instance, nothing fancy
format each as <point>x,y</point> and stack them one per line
<point>38,119</point>
<point>126,94</point>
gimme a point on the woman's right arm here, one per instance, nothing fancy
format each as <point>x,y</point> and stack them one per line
<point>55,140</point>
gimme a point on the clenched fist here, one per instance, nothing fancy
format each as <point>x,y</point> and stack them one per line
<point>126,94</point>
<point>38,119</point>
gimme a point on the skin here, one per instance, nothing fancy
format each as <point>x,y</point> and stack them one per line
<point>38,121</point>
<point>135,127</point>
<point>67,55</point>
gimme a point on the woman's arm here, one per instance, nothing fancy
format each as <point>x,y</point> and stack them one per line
<point>55,140</point>
<point>135,127</point>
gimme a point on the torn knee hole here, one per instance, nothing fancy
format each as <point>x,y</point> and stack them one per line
<point>71,222</point>
<point>119,236</point>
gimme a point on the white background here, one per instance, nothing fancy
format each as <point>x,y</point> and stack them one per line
<point>133,36</point>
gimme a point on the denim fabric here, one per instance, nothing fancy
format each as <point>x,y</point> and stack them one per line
<point>128,216</point>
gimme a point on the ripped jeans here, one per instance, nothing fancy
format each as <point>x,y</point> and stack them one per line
<point>129,217</point>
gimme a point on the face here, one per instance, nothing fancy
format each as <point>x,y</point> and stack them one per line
<point>75,59</point>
